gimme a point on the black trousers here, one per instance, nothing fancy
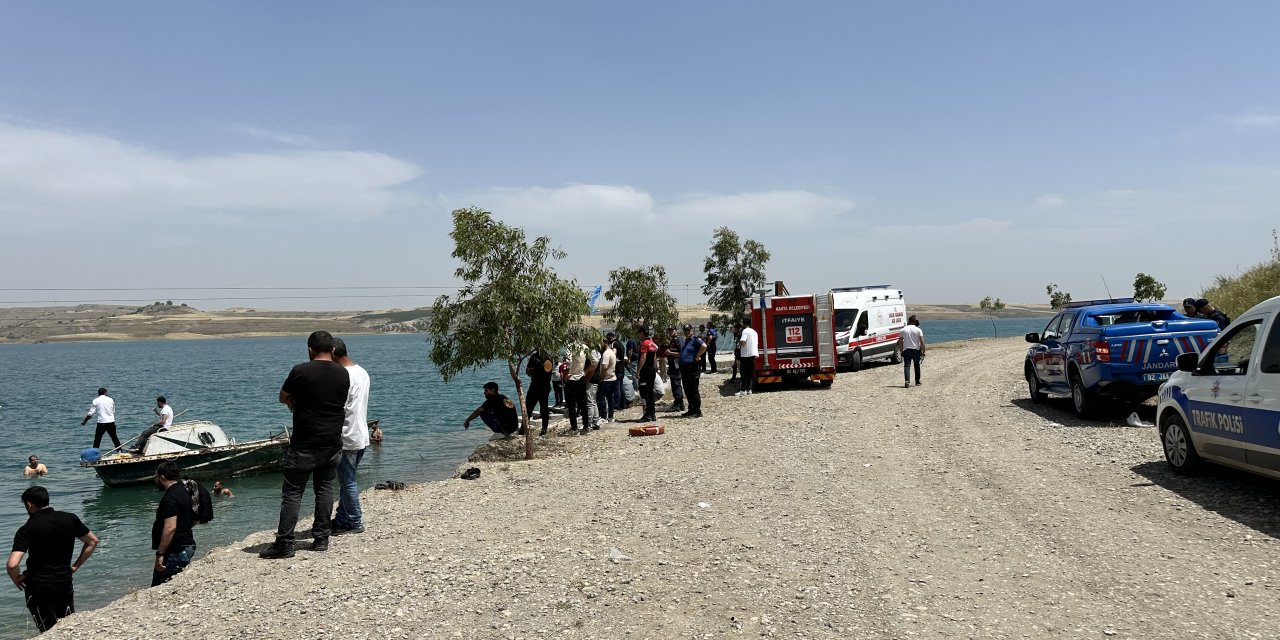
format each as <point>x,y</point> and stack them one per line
<point>575,403</point>
<point>108,428</point>
<point>537,396</point>
<point>748,373</point>
<point>689,374</point>
<point>49,602</point>
<point>321,467</point>
<point>647,377</point>
<point>711,357</point>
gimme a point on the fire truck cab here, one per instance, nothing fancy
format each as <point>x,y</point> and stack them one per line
<point>868,322</point>
<point>796,338</point>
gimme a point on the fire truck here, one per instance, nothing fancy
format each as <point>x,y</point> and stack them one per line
<point>797,337</point>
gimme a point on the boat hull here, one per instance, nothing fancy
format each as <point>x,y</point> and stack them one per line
<point>201,464</point>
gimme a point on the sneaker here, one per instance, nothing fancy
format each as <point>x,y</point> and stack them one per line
<point>343,530</point>
<point>320,544</point>
<point>277,551</point>
<point>740,393</point>
<point>696,414</point>
<point>748,392</point>
<point>906,385</point>
<point>917,383</point>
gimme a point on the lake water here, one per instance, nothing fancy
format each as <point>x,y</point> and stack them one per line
<point>46,389</point>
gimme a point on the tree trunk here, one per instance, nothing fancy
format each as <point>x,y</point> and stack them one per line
<point>524,413</point>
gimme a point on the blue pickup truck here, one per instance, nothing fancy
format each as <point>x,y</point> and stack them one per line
<point>1113,348</point>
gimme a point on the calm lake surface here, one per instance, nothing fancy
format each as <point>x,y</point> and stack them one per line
<point>46,389</point>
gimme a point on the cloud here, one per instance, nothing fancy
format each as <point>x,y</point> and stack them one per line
<point>50,176</point>
<point>584,207</point>
<point>1255,121</point>
<point>268,135</point>
<point>975,231</point>
<point>1050,201</point>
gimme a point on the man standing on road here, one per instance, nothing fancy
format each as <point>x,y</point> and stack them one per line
<point>103,410</point>
<point>47,539</point>
<point>712,336</point>
<point>648,367</point>
<point>748,350</point>
<point>690,370</point>
<point>671,351</point>
<point>582,367</point>
<point>355,439</point>
<point>171,535</point>
<point>911,342</point>
<point>540,370</point>
<point>316,391</point>
<point>608,380</point>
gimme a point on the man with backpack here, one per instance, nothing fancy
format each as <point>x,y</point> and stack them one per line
<point>171,535</point>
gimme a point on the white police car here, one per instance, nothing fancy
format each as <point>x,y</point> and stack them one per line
<point>1223,404</point>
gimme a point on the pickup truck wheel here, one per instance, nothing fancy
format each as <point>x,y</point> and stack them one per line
<point>855,361</point>
<point>1082,399</point>
<point>1179,451</point>
<point>896,358</point>
<point>1033,386</point>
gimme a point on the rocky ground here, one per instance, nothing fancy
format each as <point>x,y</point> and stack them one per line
<point>956,509</point>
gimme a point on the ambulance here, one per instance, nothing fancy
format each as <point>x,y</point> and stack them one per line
<point>796,338</point>
<point>1222,405</point>
<point>869,320</point>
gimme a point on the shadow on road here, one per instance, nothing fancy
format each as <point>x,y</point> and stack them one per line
<point>1111,414</point>
<point>727,389</point>
<point>1244,497</point>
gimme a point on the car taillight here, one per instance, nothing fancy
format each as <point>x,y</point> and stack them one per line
<point>1102,351</point>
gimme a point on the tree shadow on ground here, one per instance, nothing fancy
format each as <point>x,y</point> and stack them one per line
<point>1110,414</point>
<point>1241,496</point>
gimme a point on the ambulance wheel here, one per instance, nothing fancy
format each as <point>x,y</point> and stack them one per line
<point>1033,385</point>
<point>896,358</point>
<point>1179,451</point>
<point>855,361</point>
<point>1082,400</point>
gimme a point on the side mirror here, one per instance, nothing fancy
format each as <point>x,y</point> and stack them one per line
<point>1033,338</point>
<point>1188,362</point>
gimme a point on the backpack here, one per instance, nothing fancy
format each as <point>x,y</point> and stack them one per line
<point>201,502</point>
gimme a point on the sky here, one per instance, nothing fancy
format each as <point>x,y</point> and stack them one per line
<point>298,155</point>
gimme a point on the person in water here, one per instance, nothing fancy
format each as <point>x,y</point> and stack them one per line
<point>219,490</point>
<point>34,467</point>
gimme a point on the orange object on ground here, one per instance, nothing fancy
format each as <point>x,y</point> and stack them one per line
<point>648,430</point>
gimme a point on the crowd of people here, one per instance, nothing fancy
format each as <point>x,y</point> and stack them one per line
<point>329,397</point>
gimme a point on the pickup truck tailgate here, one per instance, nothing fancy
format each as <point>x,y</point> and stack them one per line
<point>1148,352</point>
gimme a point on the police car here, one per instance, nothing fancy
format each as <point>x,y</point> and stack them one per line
<point>1223,405</point>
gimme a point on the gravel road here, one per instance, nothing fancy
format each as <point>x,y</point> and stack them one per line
<point>956,509</point>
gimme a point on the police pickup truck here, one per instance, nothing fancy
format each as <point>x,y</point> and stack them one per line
<point>1224,405</point>
<point>1113,348</point>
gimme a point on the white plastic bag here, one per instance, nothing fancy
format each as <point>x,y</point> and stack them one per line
<point>659,387</point>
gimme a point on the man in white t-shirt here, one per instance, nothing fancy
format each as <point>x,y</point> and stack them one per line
<point>608,379</point>
<point>911,342</point>
<point>164,415</point>
<point>748,350</point>
<point>103,410</point>
<point>582,368</point>
<point>355,439</point>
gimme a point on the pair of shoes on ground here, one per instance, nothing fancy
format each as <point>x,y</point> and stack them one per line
<point>691,414</point>
<point>908,384</point>
<point>390,484</point>
<point>675,407</point>
<point>281,550</point>
<point>343,529</point>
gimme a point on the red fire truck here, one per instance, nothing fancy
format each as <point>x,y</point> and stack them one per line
<point>797,338</point>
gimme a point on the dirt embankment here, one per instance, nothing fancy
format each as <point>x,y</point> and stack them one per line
<point>956,509</point>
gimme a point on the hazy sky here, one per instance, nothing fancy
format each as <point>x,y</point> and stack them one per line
<point>953,149</point>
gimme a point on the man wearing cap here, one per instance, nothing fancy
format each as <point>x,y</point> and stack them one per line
<point>690,369</point>
<point>670,350</point>
<point>1206,310</point>
<point>648,368</point>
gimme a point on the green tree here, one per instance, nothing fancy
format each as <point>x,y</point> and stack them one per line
<point>1057,298</point>
<point>735,269</point>
<point>998,305</point>
<point>1146,288</point>
<point>511,303</point>
<point>640,299</point>
<point>985,304</point>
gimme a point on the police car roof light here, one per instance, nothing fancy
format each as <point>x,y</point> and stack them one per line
<point>1091,303</point>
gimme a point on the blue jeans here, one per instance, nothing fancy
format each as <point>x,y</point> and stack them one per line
<point>174,563</point>
<point>909,356</point>
<point>349,514</point>
<point>604,398</point>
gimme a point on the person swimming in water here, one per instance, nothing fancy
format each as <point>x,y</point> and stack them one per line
<point>35,467</point>
<point>219,490</point>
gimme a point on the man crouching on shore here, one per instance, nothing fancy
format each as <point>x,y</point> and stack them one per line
<point>316,391</point>
<point>498,412</point>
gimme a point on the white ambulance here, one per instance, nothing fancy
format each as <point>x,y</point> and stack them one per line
<point>868,322</point>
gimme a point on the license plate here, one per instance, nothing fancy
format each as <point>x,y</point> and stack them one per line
<point>1155,377</point>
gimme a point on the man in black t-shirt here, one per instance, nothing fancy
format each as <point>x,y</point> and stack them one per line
<point>539,371</point>
<point>47,539</point>
<point>316,391</point>
<point>171,535</point>
<point>498,412</point>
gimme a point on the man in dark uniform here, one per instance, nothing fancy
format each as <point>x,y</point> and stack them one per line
<point>539,370</point>
<point>47,539</point>
<point>498,412</point>
<point>316,391</point>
